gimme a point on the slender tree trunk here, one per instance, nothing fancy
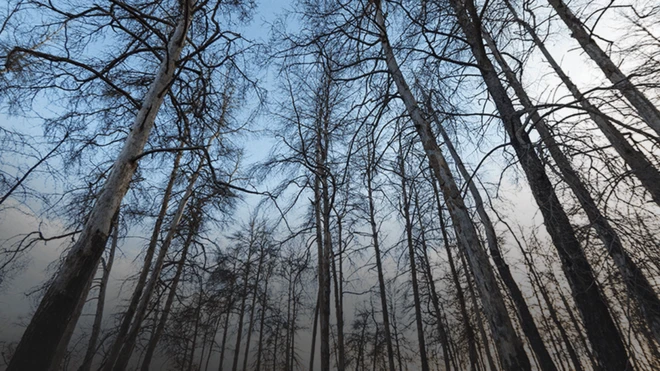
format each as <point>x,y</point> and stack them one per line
<point>225,330</point>
<point>469,330</point>
<point>601,330</point>
<point>262,321</point>
<point>322,232</point>
<point>57,308</point>
<point>638,286</point>
<point>193,347</point>
<point>376,243</point>
<point>241,312</point>
<point>641,167</point>
<point>510,347</point>
<point>405,210</point>
<point>477,311</point>
<point>170,300</point>
<point>442,332</point>
<point>646,109</point>
<point>254,302</point>
<point>98,316</point>
<point>314,332</point>
<point>339,306</point>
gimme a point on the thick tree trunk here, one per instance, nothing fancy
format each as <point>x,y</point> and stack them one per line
<point>262,321</point>
<point>638,286</point>
<point>100,303</point>
<point>601,330</point>
<point>509,346</point>
<point>57,308</point>
<point>646,109</point>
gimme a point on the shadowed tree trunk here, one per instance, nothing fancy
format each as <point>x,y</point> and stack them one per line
<point>526,319</point>
<point>124,355</point>
<point>460,295</point>
<point>127,318</point>
<point>405,210</point>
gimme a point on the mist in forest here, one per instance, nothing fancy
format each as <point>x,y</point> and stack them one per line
<point>330,185</point>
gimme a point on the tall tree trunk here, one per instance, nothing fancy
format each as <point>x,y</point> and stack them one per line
<point>61,352</point>
<point>638,286</point>
<point>601,330</point>
<point>641,167</point>
<point>100,303</point>
<point>369,173</point>
<point>510,347</point>
<point>225,331</point>
<point>314,332</point>
<point>649,112</point>
<point>254,302</point>
<point>460,295</point>
<point>262,320</point>
<point>322,211</point>
<point>526,319</point>
<point>151,347</point>
<point>57,308</point>
<point>426,267</point>
<point>124,355</point>
<point>127,318</point>
<point>479,319</point>
<point>405,210</point>
<point>241,311</point>
<point>198,312</point>
<point>339,300</point>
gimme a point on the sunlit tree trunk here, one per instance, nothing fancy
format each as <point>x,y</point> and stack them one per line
<point>57,308</point>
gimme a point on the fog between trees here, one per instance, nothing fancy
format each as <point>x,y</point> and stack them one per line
<point>330,185</point>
